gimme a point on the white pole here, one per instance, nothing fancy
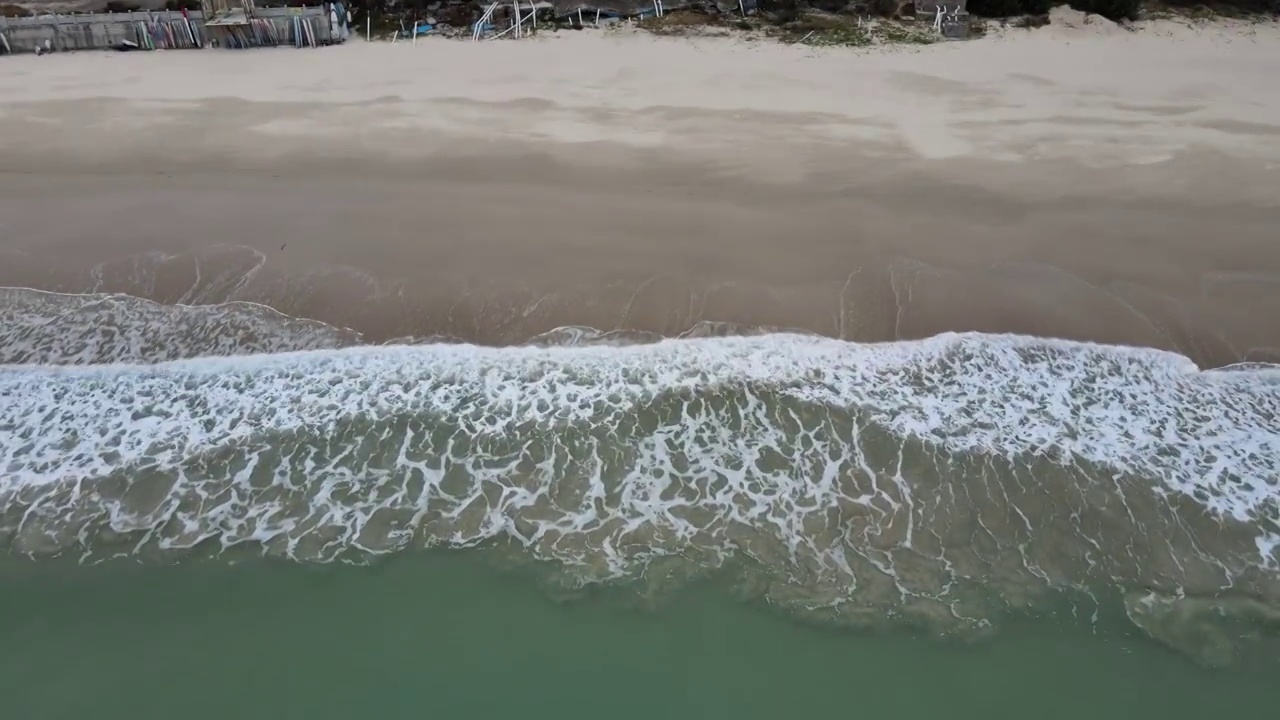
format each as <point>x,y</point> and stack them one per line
<point>515,27</point>
<point>479,28</point>
<point>742,9</point>
<point>580,17</point>
<point>519,20</point>
<point>368,27</point>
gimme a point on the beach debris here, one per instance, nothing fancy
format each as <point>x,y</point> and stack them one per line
<point>950,18</point>
<point>482,25</point>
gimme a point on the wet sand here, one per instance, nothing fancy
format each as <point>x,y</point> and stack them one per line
<point>1067,182</point>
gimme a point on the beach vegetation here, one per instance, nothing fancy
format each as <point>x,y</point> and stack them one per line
<point>1127,9</point>
<point>1219,8</point>
<point>838,37</point>
<point>1111,9</point>
<point>891,32</point>
<point>816,22</point>
<point>680,22</point>
<point>814,28</point>
<point>1009,8</point>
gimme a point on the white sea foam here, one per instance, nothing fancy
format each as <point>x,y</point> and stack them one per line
<point>1212,436</point>
<point>55,328</point>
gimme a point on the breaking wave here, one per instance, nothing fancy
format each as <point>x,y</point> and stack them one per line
<point>938,482</point>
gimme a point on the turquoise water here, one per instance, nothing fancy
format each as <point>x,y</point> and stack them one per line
<point>445,634</point>
<point>766,525</point>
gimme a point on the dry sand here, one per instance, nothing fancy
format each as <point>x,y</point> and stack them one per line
<point>1080,180</point>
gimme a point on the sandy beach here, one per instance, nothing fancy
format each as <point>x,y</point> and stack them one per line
<point>1080,180</point>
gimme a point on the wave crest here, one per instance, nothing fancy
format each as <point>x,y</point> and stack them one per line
<point>941,482</point>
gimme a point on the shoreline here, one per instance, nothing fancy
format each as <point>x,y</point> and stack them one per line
<point>1031,192</point>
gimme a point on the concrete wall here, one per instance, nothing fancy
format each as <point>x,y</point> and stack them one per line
<point>97,31</point>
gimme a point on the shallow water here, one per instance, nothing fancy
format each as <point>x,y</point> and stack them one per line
<point>450,635</point>
<point>956,487</point>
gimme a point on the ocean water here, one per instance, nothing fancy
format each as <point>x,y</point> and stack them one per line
<point>453,635</point>
<point>968,498</point>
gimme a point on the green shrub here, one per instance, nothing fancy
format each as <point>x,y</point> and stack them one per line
<point>1008,8</point>
<point>1114,9</point>
<point>1229,7</point>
